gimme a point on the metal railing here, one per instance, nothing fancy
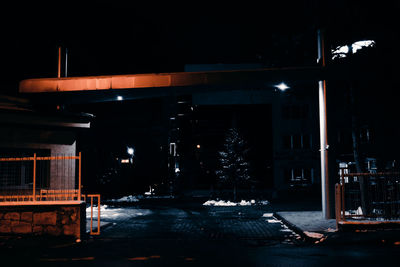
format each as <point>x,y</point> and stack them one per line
<point>92,197</point>
<point>40,179</point>
<point>45,180</point>
<point>368,196</point>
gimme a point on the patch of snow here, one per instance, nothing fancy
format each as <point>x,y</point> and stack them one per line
<point>354,212</point>
<point>222,203</point>
<point>111,213</point>
<point>230,203</point>
<point>268,215</point>
<point>130,198</point>
<point>274,221</point>
<point>245,203</point>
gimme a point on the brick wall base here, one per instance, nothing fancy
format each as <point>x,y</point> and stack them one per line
<point>55,220</point>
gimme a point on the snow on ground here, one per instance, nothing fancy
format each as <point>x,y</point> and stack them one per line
<point>268,215</point>
<point>112,213</point>
<point>225,203</point>
<point>133,198</point>
<point>130,198</point>
<point>219,203</point>
<point>274,221</point>
<point>354,212</point>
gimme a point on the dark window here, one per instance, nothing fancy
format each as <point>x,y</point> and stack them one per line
<point>18,175</point>
<point>287,142</point>
<point>365,135</point>
<point>295,111</point>
<point>345,138</point>
<point>307,141</point>
<point>299,176</point>
<point>296,141</point>
<point>288,175</point>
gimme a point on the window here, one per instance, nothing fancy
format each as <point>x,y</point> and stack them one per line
<point>299,176</point>
<point>297,144</point>
<point>287,142</point>
<point>296,141</point>
<point>306,141</point>
<point>172,149</point>
<point>365,135</point>
<point>18,175</point>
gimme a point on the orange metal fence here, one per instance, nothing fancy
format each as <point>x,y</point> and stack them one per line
<point>92,197</point>
<point>367,196</point>
<point>39,179</point>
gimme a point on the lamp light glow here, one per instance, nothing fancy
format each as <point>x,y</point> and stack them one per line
<point>282,86</point>
<point>130,151</point>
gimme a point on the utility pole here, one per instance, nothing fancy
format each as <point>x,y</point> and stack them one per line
<point>323,132</point>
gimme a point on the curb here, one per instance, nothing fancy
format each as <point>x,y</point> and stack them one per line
<point>296,229</point>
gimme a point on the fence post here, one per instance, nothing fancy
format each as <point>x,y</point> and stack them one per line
<point>80,177</point>
<point>338,207</point>
<point>34,177</point>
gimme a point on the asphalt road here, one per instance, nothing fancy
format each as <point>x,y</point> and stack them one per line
<point>160,235</point>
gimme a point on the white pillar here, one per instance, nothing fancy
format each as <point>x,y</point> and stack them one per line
<point>323,133</point>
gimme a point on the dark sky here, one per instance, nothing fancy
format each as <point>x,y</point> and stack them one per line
<point>113,38</point>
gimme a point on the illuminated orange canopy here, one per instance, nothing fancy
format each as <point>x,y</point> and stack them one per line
<point>178,79</point>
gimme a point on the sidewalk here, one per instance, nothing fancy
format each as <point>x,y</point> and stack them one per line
<point>309,224</point>
<point>313,227</point>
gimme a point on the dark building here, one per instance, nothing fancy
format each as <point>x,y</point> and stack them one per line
<point>280,127</point>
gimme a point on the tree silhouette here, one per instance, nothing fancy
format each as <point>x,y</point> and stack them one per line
<point>234,169</point>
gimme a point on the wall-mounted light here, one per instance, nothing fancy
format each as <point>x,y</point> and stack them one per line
<point>120,98</point>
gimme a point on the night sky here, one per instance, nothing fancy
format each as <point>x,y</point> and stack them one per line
<point>113,38</point>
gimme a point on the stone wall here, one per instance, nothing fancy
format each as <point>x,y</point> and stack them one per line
<point>55,220</point>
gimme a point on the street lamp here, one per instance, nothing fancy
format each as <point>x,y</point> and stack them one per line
<point>282,86</point>
<point>130,151</point>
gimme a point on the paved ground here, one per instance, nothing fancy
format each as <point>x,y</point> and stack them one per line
<point>308,223</point>
<point>236,223</point>
<point>175,235</point>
